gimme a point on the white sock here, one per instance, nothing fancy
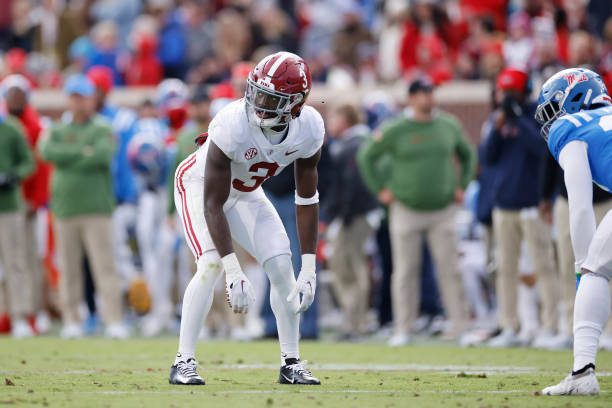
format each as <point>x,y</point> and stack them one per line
<point>196,303</point>
<point>282,281</point>
<point>591,311</point>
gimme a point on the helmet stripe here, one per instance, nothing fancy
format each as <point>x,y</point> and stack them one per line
<point>277,63</point>
<point>587,98</point>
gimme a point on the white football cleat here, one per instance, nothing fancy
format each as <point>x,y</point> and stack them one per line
<point>71,331</point>
<point>558,342</point>
<point>43,322</point>
<point>118,331</point>
<point>21,329</point>
<point>475,337</point>
<point>581,384</point>
<point>543,338</point>
<point>185,373</point>
<point>399,340</point>
<point>153,326</point>
<point>507,338</point>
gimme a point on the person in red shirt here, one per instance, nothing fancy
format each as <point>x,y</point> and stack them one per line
<point>144,68</point>
<point>428,44</point>
<point>16,90</point>
<point>16,64</point>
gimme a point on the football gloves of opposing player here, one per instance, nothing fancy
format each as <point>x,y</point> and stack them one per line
<point>238,289</point>
<point>306,284</point>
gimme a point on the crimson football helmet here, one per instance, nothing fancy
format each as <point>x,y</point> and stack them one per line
<point>277,89</point>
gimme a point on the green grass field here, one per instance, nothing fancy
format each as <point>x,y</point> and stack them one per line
<point>104,373</point>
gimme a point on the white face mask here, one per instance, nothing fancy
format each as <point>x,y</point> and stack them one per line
<point>267,108</point>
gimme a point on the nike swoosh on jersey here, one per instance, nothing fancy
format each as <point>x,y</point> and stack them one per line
<point>290,152</point>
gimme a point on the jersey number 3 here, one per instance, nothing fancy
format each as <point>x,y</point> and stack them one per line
<point>258,179</point>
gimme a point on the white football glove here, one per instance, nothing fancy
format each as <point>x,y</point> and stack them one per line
<point>306,284</point>
<point>238,288</point>
<point>240,294</point>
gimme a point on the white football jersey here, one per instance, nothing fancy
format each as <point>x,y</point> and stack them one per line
<point>253,158</point>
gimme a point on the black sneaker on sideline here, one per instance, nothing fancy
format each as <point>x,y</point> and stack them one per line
<point>185,373</point>
<point>294,372</point>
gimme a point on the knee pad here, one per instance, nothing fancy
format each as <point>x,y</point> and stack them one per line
<point>209,265</point>
<point>279,270</point>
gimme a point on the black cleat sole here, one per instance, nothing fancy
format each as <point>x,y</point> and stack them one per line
<point>285,381</point>
<point>190,383</point>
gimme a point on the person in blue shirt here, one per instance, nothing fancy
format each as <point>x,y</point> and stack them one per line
<point>172,50</point>
<point>575,112</point>
<point>512,152</point>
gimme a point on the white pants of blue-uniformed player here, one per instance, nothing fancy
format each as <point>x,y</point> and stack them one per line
<point>592,305</point>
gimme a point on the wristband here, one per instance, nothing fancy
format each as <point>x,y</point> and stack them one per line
<point>307,201</point>
<point>231,266</point>
<point>309,262</point>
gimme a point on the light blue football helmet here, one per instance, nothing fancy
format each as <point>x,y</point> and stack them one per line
<point>569,91</point>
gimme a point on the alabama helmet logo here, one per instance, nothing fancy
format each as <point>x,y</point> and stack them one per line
<point>250,153</point>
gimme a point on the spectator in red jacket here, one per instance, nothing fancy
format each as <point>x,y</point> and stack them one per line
<point>16,90</point>
<point>16,63</point>
<point>144,68</point>
<point>494,9</point>
<point>427,42</point>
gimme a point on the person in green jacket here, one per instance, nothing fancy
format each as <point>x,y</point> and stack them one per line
<point>421,189</point>
<point>16,163</point>
<point>82,200</point>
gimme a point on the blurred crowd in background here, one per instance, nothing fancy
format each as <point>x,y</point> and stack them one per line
<point>422,232</point>
<point>344,41</point>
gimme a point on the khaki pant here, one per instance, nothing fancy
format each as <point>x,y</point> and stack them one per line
<point>13,257</point>
<point>406,229</point>
<point>91,235</point>
<point>3,293</point>
<point>351,273</point>
<point>34,262</point>
<point>565,257</point>
<point>510,228</point>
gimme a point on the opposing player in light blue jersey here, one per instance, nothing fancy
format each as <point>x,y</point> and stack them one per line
<point>575,112</point>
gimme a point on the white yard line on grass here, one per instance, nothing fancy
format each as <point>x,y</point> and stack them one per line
<point>395,367</point>
<point>448,369</point>
<point>306,390</point>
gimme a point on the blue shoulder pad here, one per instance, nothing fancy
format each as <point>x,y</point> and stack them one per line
<point>561,133</point>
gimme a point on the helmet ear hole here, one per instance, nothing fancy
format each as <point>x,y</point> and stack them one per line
<point>577,97</point>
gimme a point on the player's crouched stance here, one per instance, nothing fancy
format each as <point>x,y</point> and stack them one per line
<point>218,196</point>
<point>575,112</point>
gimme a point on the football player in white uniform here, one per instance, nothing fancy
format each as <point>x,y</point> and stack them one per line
<point>218,196</point>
